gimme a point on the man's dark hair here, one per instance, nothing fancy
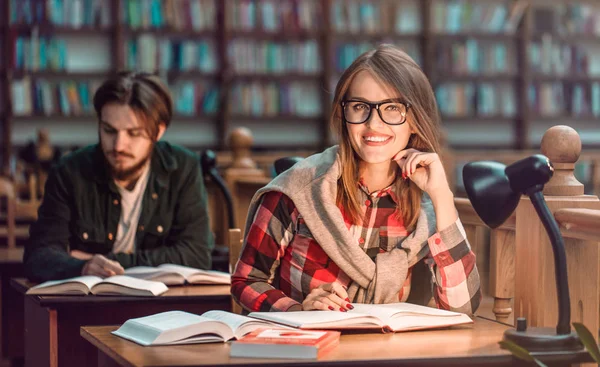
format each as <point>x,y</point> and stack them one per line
<point>145,93</point>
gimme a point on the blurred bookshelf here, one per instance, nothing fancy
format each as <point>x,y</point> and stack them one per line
<point>502,70</point>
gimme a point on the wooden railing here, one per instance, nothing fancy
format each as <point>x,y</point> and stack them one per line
<point>582,224</point>
<point>495,257</point>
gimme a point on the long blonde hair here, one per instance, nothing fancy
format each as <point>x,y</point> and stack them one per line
<point>394,68</point>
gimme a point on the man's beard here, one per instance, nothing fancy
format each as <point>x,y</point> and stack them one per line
<point>130,172</point>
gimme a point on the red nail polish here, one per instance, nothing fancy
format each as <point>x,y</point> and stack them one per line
<point>342,309</point>
<point>349,306</point>
<point>347,299</point>
<point>331,308</point>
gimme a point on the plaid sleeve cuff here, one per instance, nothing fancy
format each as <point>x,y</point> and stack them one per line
<point>449,245</point>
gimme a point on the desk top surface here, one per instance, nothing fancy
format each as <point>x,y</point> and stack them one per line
<point>187,293</point>
<point>475,344</point>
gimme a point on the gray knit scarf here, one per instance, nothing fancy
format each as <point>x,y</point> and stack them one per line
<point>312,186</point>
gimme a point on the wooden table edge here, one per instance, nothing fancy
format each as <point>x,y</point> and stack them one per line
<point>22,285</point>
<point>101,348</point>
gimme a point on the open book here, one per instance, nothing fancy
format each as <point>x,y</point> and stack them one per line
<point>115,285</point>
<point>178,327</point>
<point>389,317</point>
<point>172,274</point>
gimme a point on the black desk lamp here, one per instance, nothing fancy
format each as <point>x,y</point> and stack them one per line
<point>494,191</point>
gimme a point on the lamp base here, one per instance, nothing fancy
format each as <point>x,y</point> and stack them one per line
<point>536,339</point>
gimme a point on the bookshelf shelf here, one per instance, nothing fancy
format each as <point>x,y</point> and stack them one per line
<point>283,35</point>
<point>486,78</point>
<point>567,38</point>
<point>487,119</point>
<point>61,74</point>
<point>169,32</point>
<point>241,38</point>
<point>566,78</point>
<point>353,37</point>
<point>275,118</point>
<point>52,118</point>
<point>184,74</point>
<point>566,118</point>
<point>192,118</point>
<point>483,35</point>
<point>279,77</point>
<point>45,29</point>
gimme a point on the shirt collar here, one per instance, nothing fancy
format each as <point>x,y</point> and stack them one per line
<point>379,193</point>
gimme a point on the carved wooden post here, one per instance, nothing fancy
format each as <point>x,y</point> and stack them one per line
<point>535,286</point>
<point>240,141</point>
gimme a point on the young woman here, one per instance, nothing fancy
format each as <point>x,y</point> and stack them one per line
<point>360,221</point>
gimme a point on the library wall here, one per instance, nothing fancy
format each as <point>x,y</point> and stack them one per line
<point>503,71</point>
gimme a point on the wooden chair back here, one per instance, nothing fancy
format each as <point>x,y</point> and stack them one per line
<point>235,248</point>
<point>8,211</point>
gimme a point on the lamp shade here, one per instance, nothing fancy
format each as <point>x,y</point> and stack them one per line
<point>489,191</point>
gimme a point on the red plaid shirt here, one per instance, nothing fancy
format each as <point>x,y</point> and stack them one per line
<point>281,262</point>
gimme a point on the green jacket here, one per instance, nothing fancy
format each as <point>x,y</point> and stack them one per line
<point>81,210</point>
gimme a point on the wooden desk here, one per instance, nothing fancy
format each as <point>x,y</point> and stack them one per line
<point>11,304</point>
<point>52,322</point>
<point>475,345</point>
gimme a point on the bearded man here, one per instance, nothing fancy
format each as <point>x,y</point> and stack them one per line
<point>128,200</point>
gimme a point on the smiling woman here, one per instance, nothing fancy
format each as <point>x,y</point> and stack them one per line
<point>369,221</point>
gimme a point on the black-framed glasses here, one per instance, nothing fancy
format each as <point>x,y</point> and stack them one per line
<point>391,111</point>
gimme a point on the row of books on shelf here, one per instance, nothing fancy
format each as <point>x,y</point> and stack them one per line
<point>273,99</point>
<point>368,17</point>
<point>550,57</point>
<point>195,98</point>
<point>73,98</point>
<point>197,15</point>
<point>469,99</point>
<point>274,57</point>
<point>558,99</point>
<point>149,53</point>
<point>50,98</point>
<point>471,16</point>
<point>274,15</point>
<point>346,53</point>
<point>567,18</point>
<point>39,53</point>
<point>68,13</point>
<point>472,56</point>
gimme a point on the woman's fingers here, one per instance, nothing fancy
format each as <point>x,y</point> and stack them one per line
<point>329,296</point>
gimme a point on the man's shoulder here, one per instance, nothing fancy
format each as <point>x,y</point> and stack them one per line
<point>176,160</point>
<point>176,151</point>
<point>82,159</point>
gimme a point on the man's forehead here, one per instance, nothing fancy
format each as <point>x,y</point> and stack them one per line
<point>122,125</point>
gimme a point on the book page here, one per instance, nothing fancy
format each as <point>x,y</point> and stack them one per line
<point>173,327</point>
<point>407,316</point>
<point>321,319</point>
<point>88,280</point>
<point>199,276</point>
<point>239,324</point>
<point>154,288</point>
<point>167,276</point>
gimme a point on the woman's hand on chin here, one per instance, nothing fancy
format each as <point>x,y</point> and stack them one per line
<point>425,170</point>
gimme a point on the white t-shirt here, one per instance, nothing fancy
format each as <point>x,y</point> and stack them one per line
<point>131,206</point>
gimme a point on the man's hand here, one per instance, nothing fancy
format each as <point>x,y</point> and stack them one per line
<point>81,255</point>
<point>100,266</point>
<point>327,296</point>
